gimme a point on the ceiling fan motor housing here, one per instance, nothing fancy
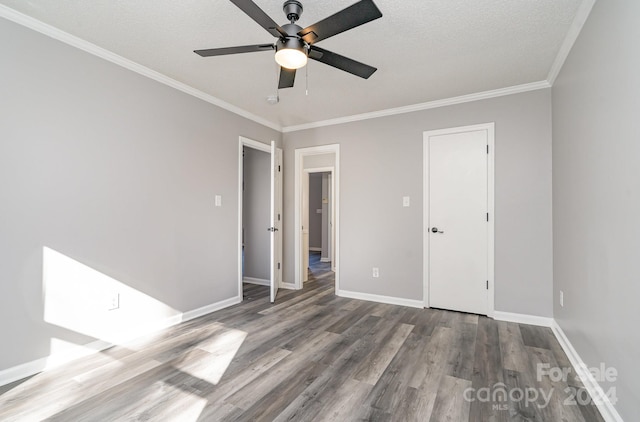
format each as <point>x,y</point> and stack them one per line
<point>292,9</point>
<point>292,29</point>
<point>293,42</point>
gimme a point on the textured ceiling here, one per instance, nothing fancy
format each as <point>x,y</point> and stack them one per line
<point>425,50</point>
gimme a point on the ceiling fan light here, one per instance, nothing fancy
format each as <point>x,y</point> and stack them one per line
<point>291,54</point>
<point>291,58</point>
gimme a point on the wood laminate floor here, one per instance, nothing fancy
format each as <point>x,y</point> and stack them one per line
<point>312,356</point>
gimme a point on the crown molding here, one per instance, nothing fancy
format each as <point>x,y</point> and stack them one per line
<point>518,89</point>
<point>72,40</point>
<point>55,33</point>
<point>576,26</point>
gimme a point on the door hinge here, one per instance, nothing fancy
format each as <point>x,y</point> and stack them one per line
<point>487,216</point>
<point>278,217</point>
<point>487,283</point>
<point>487,148</point>
<point>278,265</point>
<point>278,168</point>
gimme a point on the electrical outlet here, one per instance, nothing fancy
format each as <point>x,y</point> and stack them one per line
<point>561,298</point>
<point>114,302</point>
<point>376,272</point>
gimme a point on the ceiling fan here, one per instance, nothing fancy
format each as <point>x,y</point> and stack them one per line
<point>295,44</point>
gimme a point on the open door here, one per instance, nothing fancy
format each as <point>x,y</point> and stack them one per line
<point>276,220</point>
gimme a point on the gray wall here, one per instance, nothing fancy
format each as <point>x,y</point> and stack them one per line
<point>115,171</point>
<point>596,196</point>
<point>315,203</point>
<point>318,161</point>
<point>381,161</point>
<point>256,213</point>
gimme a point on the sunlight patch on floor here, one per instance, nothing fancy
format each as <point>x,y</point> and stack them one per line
<point>211,359</point>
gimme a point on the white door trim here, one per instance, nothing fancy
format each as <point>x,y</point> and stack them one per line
<point>490,128</point>
<point>244,142</point>
<point>300,153</point>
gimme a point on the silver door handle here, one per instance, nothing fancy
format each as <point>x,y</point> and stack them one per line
<point>435,230</point>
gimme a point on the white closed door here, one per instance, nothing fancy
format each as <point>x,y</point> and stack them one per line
<point>276,220</point>
<point>457,221</point>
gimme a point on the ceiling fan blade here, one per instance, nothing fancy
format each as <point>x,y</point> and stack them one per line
<point>342,62</point>
<point>258,15</point>
<point>314,53</point>
<point>287,77</point>
<point>355,15</point>
<point>234,50</point>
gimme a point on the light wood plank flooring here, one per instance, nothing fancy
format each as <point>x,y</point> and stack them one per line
<point>312,356</point>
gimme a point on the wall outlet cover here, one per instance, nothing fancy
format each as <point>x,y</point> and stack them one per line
<point>114,302</point>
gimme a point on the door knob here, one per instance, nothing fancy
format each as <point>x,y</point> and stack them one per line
<point>435,230</point>
<point>272,229</point>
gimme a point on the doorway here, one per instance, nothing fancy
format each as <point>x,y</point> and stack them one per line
<point>256,201</point>
<point>322,160</point>
<point>259,215</point>
<point>458,234</point>
<point>318,215</point>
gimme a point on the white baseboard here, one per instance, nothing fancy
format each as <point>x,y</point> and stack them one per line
<point>289,286</point>
<point>24,370</point>
<point>314,249</point>
<point>606,408</point>
<point>259,281</point>
<point>523,319</point>
<point>381,299</point>
<point>196,313</point>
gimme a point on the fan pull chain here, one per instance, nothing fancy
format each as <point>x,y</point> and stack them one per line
<point>306,74</point>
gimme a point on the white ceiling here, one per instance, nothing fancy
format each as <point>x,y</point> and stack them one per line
<point>425,50</point>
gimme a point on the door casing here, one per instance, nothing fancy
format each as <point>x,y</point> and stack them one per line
<point>490,130</point>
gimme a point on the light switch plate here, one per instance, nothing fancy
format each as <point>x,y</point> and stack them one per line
<point>406,201</point>
<point>218,200</point>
